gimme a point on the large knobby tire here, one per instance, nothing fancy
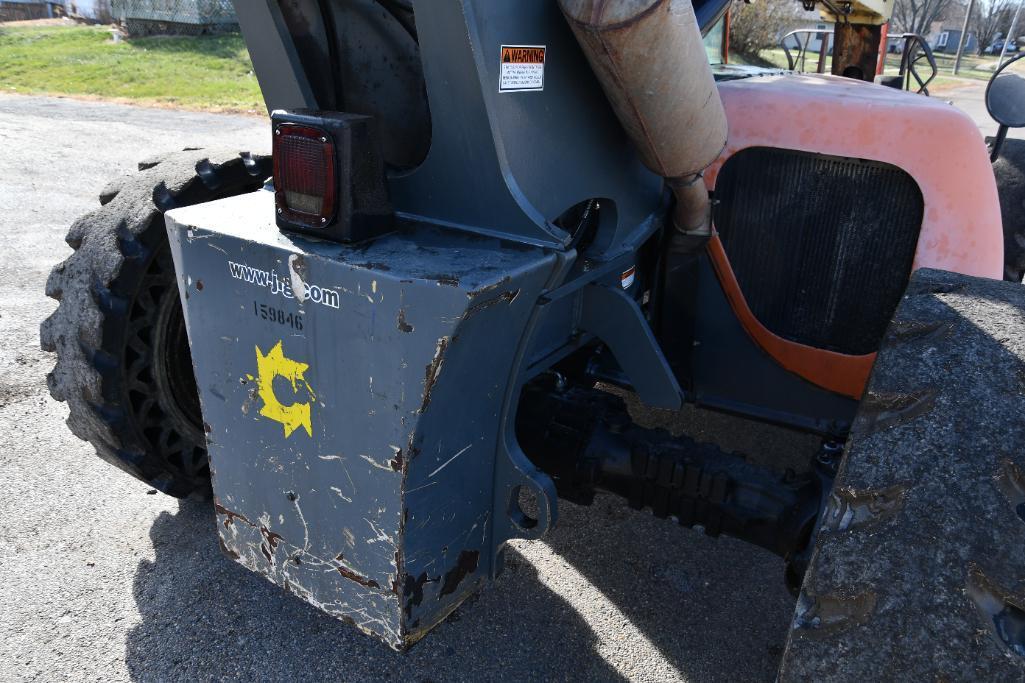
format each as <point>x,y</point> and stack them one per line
<point>123,363</point>
<point>1010,174</point>
<point>916,573</point>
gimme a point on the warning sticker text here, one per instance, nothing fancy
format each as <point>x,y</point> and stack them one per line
<point>523,68</point>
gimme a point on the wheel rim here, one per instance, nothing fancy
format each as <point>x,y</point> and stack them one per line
<point>162,389</point>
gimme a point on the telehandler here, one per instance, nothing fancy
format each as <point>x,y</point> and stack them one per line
<point>390,347</point>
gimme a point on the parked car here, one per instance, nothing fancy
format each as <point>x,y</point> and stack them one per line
<point>998,45</point>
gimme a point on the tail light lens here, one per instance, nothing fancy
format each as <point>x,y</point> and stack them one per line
<point>304,175</point>
<point>329,176</point>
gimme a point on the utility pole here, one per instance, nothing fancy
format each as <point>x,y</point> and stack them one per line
<point>964,36</point>
<point>1010,34</point>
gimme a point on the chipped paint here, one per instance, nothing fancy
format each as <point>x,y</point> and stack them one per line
<point>504,297</point>
<point>401,323</point>
<point>297,275</point>
<point>350,515</point>
<point>386,468</point>
<point>433,370</point>
<point>340,494</point>
<point>465,565</point>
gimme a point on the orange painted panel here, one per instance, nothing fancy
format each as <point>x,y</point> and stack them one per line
<point>937,145</point>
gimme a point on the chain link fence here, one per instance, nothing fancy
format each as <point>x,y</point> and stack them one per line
<point>144,17</point>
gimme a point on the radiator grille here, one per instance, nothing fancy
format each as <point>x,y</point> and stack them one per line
<point>821,246</point>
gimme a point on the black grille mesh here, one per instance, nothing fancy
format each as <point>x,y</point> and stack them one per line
<point>821,246</point>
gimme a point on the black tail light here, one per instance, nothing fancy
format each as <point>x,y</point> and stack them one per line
<point>329,176</point>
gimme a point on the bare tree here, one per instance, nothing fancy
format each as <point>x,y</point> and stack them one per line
<point>915,16</point>
<point>759,25</point>
<point>989,18</point>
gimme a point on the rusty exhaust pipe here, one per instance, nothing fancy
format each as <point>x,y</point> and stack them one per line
<point>650,60</point>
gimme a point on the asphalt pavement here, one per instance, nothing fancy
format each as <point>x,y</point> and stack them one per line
<point>970,97</point>
<point>105,580</point>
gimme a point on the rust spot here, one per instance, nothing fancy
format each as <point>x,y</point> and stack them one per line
<point>396,462</point>
<point>229,516</point>
<point>272,541</point>
<point>402,324</point>
<point>396,586</point>
<point>413,590</point>
<point>349,574</point>
<point>507,297</point>
<point>467,564</point>
<point>207,428</point>
<point>433,368</point>
<point>199,285</point>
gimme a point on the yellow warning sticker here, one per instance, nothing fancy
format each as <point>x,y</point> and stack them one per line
<point>523,68</point>
<point>272,365</point>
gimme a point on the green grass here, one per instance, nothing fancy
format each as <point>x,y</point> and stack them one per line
<point>972,66</point>
<point>196,72</point>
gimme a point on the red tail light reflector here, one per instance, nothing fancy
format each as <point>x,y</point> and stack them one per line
<point>305,186</point>
<point>329,176</point>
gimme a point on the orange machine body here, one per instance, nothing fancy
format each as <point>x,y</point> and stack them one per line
<point>961,226</point>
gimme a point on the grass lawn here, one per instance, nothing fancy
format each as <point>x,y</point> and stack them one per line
<point>201,72</point>
<point>972,66</point>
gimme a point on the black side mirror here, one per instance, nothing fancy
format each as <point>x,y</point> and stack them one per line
<point>1005,100</point>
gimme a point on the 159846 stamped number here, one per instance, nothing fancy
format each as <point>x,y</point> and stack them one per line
<point>276,315</point>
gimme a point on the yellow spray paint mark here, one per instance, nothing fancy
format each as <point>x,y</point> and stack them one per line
<point>274,364</point>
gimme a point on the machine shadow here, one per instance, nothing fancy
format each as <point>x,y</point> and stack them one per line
<point>715,608</point>
<point>203,617</point>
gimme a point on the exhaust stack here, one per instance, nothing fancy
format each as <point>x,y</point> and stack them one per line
<point>649,57</point>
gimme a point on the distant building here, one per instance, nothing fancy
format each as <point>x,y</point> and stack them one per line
<point>93,10</point>
<point>21,10</point>
<point>138,16</point>
<point>174,16</point>
<point>944,40</point>
<point>810,38</point>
